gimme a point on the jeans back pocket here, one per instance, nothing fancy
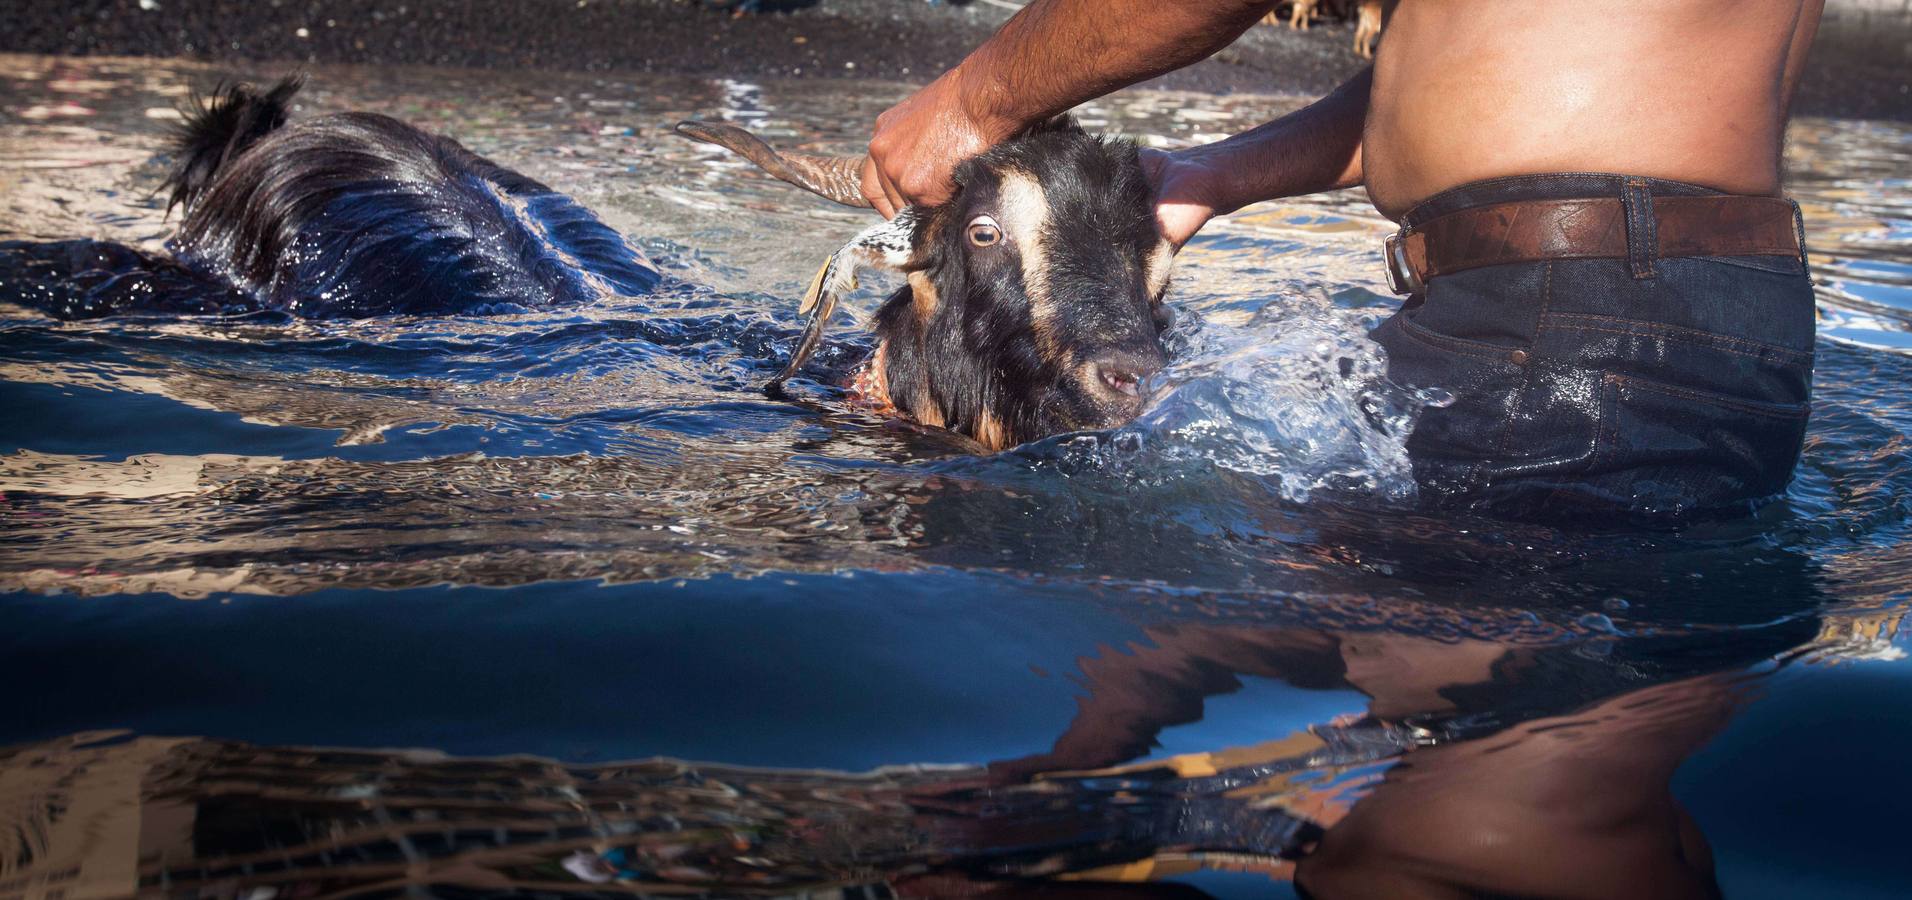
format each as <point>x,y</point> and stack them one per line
<point>1666,448</point>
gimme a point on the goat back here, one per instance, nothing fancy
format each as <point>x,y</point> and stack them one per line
<point>360,214</point>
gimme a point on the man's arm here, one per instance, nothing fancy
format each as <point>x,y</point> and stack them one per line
<point>1051,56</point>
<point>1135,692</point>
<point>1316,148</point>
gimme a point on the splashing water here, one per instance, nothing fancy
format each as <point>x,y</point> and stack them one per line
<point>1297,394</point>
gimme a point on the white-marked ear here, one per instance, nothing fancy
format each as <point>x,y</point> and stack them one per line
<point>883,246</point>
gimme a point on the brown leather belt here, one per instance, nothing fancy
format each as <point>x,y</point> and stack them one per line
<point>1600,228</point>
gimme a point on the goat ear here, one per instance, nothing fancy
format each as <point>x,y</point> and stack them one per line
<point>884,246</point>
<point>1061,124</point>
<point>838,178</point>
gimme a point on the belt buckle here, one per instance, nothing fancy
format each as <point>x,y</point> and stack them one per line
<point>1402,279</point>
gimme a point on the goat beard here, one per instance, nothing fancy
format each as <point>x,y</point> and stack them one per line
<point>870,385</point>
<point>869,389</point>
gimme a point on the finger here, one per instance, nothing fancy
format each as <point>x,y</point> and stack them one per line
<point>891,192</point>
<point>935,183</point>
<point>872,187</point>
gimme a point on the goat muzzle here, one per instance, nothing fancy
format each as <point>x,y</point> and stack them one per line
<point>1122,379</point>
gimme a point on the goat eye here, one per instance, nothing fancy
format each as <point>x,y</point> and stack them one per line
<point>983,231</point>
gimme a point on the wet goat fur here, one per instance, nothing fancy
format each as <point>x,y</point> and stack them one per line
<point>360,214</point>
<point>1005,331</point>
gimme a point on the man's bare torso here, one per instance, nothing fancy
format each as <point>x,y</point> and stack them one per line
<point>1691,90</point>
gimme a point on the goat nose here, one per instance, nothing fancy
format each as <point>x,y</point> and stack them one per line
<point>1123,376</point>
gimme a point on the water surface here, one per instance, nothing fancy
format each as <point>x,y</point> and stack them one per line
<point>563,538</point>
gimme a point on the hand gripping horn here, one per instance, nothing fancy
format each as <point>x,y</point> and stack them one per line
<point>886,245</point>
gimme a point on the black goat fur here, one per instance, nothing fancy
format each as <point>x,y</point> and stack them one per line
<point>218,129</point>
<point>359,214</point>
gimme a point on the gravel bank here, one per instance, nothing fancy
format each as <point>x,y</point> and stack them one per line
<point>904,40</point>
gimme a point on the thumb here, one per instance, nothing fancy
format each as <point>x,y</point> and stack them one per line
<point>1179,220</point>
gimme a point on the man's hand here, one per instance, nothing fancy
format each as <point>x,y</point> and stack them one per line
<point>1047,58</point>
<point>1057,53</point>
<point>1185,193</point>
<point>919,142</point>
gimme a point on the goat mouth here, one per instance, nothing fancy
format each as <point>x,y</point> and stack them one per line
<point>1121,382</point>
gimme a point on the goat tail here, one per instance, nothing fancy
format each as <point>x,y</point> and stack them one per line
<point>218,128</point>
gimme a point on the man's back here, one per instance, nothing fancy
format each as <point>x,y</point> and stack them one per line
<point>1691,90</point>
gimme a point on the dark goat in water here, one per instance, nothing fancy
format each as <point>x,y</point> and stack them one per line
<point>1034,297</point>
<point>1033,302</point>
<point>359,214</point>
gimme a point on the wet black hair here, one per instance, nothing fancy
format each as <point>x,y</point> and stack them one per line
<point>359,214</point>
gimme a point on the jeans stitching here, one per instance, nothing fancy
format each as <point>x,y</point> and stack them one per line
<point>1769,410</point>
<point>1707,342</point>
<point>1606,433</point>
<point>1527,375</point>
<point>1792,266</point>
<point>1636,204</point>
<point>1799,231</point>
<point>1546,302</point>
<point>1457,346</point>
<point>1678,334</point>
<point>1650,248</point>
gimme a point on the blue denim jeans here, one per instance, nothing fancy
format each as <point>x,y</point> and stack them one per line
<point>1638,386</point>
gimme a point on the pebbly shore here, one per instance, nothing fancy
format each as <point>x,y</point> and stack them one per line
<point>898,40</point>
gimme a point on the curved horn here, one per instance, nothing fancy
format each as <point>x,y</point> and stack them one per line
<point>838,178</point>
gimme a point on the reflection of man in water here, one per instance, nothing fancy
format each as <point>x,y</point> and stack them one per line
<point>1551,779</point>
<point>1639,339</point>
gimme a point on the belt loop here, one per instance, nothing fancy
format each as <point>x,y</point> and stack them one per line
<point>1643,240</point>
<point>1799,231</point>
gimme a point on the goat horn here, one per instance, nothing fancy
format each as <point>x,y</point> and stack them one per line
<point>838,178</point>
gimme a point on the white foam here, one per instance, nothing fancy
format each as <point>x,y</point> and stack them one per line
<point>1297,395</point>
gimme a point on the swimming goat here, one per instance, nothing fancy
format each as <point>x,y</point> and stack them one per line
<point>359,214</point>
<point>1032,304</point>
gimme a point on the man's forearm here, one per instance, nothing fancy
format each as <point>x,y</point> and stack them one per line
<point>1317,148</point>
<point>1058,53</point>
